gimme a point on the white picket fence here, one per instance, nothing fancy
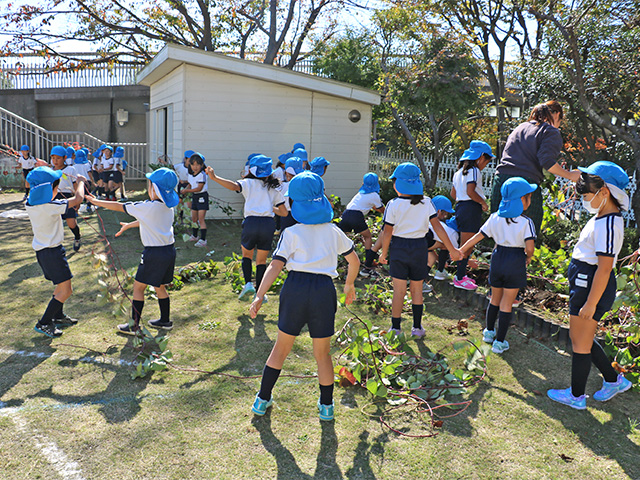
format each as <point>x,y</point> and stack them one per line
<point>384,165</point>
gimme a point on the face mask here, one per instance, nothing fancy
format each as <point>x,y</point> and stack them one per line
<point>589,207</point>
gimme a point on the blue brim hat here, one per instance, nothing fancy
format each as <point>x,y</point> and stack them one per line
<point>407,177</point>
<point>370,183</point>
<point>318,164</point>
<point>24,148</point>
<point>59,150</point>
<point>442,203</point>
<point>188,153</point>
<point>476,149</point>
<point>71,152</point>
<point>293,166</point>
<point>453,224</point>
<point>81,157</point>
<point>166,181</point>
<point>119,153</point>
<point>297,146</point>
<point>310,205</point>
<point>614,177</point>
<point>261,166</point>
<point>41,181</point>
<point>300,153</point>
<point>512,192</point>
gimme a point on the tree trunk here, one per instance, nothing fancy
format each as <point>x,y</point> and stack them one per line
<point>414,146</point>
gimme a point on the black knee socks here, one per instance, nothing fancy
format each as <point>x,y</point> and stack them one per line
<point>416,310</point>
<point>165,309</point>
<point>369,256</point>
<point>76,232</point>
<point>492,315</point>
<point>247,269</point>
<point>203,234</point>
<point>580,367</point>
<point>326,394</point>
<point>260,269</point>
<point>51,312</point>
<point>269,379</point>
<point>443,256</point>
<point>395,322</point>
<point>504,321</point>
<point>602,363</point>
<point>136,311</point>
<point>194,231</point>
<point>461,268</point>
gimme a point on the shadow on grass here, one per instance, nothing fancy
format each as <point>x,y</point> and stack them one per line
<point>364,451</point>
<point>119,402</point>
<point>16,366</point>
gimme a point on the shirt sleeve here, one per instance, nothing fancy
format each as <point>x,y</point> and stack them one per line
<point>389,217</point>
<point>278,198</point>
<point>530,232</point>
<point>135,209</point>
<point>285,247</point>
<point>376,201</point>
<point>345,244</point>
<point>432,211</point>
<point>487,228</point>
<point>550,147</point>
<point>607,239</point>
<point>471,176</point>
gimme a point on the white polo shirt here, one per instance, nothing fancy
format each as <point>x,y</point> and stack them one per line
<point>156,222</point>
<point>460,182</point>
<point>284,190</point>
<point>364,202</point>
<point>196,180</point>
<point>601,236</point>
<point>513,234</point>
<point>409,221</point>
<point>27,163</point>
<point>313,248</point>
<point>83,169</point>
<point>259,199</point>
<point>182,172</point>
<point>108,163</point>
<point>66,180</point>
<point>454,237</point>
<point>46,223</point>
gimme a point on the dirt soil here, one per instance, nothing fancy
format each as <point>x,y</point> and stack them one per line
<point>543,299</point>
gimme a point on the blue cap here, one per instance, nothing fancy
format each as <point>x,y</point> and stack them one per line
<point>59,150</point>
<point>188,153</point>
<point>102,147</point>
<point>370,183</point>
<point>407,176</point>
<point>71,152</point>
<point>609,172</point>
<point>81,157</point>
<point>199,155</point>
<point>476,149</point>
<point>261,166</point>
<point>166,180</point>
<point>442,203</point>
<point>85,150</point>
<point>294,166</point>
<point>310,205</point>
<point>41,181</point>
<point>300,153</point>
<point>119,153</point>
<point>297,146</point>
<point>284,157</point>
<point>24,148</point>
<point>318,164</point>
<point>512,192</point>
<point>252,155</point>
<point>452,223</point>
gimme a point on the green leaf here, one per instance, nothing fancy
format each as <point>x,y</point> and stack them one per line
<point>372,386</point>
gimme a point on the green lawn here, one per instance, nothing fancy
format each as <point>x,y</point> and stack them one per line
<point>70,412</point>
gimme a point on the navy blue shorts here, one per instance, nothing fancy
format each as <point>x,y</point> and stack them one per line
<point>408,258</point>
<point>156,265</point>
<point>105,176</point>
<point>353,221</point>
<point>53,262</point>
<point>286,222</point>
<point>508,267</point>
<point>257,232</point>
<point>580,276</point>
<point>25,172</point>
<point>308,299</point>
<point>70,212</point>
<point>96,175</point>
<point>116,176</point>
<point>431,240</point>
<point>200,201</point>
<point>469,216</point>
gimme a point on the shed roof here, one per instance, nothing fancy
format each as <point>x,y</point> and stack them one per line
<point>172,56</point>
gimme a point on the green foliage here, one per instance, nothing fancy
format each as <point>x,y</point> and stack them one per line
<point>338,207</point>
<point>153,355</point>
<point>549,269</point>
<point>233,274</point>
<point>194,272</point>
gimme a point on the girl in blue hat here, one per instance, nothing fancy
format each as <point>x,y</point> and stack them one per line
<point>293,167</point>
<point>199,190</point>
<point>117,177</point>
<point>66,190</point>
<point>310,252</point>
<point>27,163</point>
<point>319,165</point>
<point>45,214</point>
<point>514,235</point>
<point>470,201</point>
<point>367,199</point>
<point>262,200</point>
<point>154,218</point>
<point>592,283</point>
<point>407,219</point>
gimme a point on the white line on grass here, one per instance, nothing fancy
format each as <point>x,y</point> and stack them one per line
<point>68,469</point>
<point>85,359</point>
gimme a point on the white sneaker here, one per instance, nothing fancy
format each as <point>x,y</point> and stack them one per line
<point>201,243</point>
<point>192,238</point>
<point>440,275</point>
<point>426,288</point>
<point>247,291</point>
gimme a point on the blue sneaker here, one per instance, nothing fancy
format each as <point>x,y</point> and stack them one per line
<point>611,389</point>
<point>248,291</point>
<point>499,347</point>
<point>260,406</point>
<point>325,412</point>
<point>50,330</point>
<point>566,397</point>
<point>488,336</point>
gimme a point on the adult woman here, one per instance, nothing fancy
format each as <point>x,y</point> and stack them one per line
<point>533,146</point>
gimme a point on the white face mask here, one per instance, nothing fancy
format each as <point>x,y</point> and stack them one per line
<point>589,206</point>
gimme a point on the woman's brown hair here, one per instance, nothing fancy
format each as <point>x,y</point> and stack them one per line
<point>542,112</point>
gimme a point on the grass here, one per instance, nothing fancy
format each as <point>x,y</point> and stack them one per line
<point>176,425</point>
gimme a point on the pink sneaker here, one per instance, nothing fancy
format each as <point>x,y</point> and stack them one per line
<point>465,284</point>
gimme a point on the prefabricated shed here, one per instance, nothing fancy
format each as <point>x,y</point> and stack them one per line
<point>227,108</point>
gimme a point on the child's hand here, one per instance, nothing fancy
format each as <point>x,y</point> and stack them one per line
<point>123,228</point>
<point>485,207</point>
<point>350,293</point>
<point>456,255</point>
<point>209,171</point>
<point>81,178</point>
<point>255,307</point>
<point>90,198</point>
<point>383,258</point>
<point>587,311</point>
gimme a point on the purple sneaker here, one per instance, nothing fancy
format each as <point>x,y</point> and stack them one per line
<point>611,389</point>
<point>566,397</point>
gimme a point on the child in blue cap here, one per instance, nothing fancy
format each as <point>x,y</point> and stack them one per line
<point>45,215</point>
<point>310,252</point>
<point>592,283</point>
<point>515,236</point>
<point>262,200</point>
<point>154,217</point>
<point>117,177</point>
<point>319,165</point>
<point>367,199</point>
<point>445,209</point>
<point>199,190</point>
<point>83,167</point>
<point>27,163</point>
<point>66,189</point>
<point>470,201</point>
<point>292,167</point>
<point>407,220</point>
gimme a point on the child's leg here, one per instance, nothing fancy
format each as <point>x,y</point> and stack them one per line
<point>163,303</point>
<point>493,309</point>
<point>194,219</point>
<point>461,270</point>
<point>73,226</point>
<point>582,333</point>
<point>202,224</point>
<point>247,269</point>
<point>506,305</point>
<point>61,294</point>
<point>261,265</point>
<point>415,287</point>
<point>274,364</point>
<point>321,347</point>
<point>138,301</point>
<point>399,291</point>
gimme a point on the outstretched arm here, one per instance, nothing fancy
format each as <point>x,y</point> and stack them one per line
<point>352,272</point>
<point>273,270</point>
<point>124,226</point>
<point>228,184</point>
<point>464,249</point>
<point>442,234</point>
